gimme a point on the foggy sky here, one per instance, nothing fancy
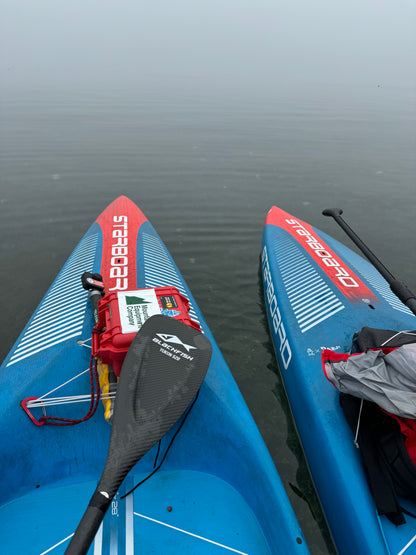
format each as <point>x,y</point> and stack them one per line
<point>210,43</point>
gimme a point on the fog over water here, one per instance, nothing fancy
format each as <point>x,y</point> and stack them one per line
<point>258,46</point>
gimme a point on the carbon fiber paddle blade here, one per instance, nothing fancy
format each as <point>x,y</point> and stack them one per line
<point>162,372</point>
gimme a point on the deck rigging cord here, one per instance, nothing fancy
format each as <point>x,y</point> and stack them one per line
<point>42,402</point>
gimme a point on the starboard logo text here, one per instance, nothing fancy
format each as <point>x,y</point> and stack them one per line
<point>275,316</point>
<point>324,255</point>
<point>119,254</point>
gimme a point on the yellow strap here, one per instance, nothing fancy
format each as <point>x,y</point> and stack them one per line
<point>103,372</point>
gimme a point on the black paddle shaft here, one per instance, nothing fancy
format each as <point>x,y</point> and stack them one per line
<point>161,374</point>
<point>399,288</point>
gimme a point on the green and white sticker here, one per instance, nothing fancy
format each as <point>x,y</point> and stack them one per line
<point>135,307</point>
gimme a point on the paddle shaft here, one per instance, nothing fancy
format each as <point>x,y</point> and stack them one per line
<point>93,283</point>
<point>95,296</point>
<point>399,288</point>
<point>89,524</point>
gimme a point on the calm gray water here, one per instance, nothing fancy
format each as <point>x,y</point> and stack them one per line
<point>205,169</point>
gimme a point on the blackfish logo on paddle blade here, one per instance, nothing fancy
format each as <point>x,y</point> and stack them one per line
<point>168,338</point>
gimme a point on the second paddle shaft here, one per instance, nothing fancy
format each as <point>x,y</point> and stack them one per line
<point>399,288</point>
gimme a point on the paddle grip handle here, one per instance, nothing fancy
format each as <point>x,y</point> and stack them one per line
<point>88,526</point>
